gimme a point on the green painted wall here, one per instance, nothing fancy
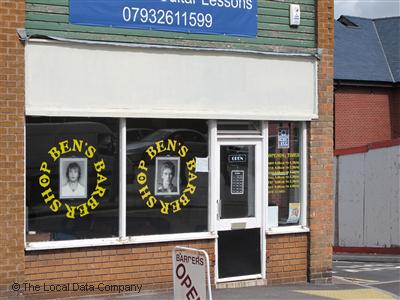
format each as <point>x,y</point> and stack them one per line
<point>50,18</point>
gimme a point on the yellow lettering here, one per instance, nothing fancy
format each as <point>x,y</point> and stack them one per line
<point>190,188</point>
<point>144,191</point>
<point>83,210</point>
<point>90,151</point>
<point>55,154</point>
<point>44,180</point>
<point>151,152</point>
<point>64,147</point>
<point>142,165</point>
<point>70,211</point>
<point>100,178</point>
<point>141,178</point>
<point>171,145</point>
<point>150,203</point>
<point>48,194</point>
<point>191,164</point>
<point>183,151</point>
<point>100,165</point>
<point>55,206</point>
<point>99,190</point>
<point>175,206</point>
<point>160,146</point>
<point>43,168</point>
<point>192,176</point>
<point>77,145</point>
<point>164,207</point>
<point>92,203</point>
<point>184,200</point>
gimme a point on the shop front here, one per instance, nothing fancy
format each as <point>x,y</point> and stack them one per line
<point>110,182</point>
<point>134,147</point>
<point>171,176</point>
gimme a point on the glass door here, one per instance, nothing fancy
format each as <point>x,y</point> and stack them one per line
<point>239,208</point>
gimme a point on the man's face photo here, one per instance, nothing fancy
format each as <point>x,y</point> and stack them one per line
<point>167,176</point>
<point>73,174</point>
<point>73,178</point>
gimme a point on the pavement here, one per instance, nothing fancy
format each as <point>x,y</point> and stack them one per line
<point>339,289</point>
<point>364,278</point>
<point>367,257</point>
<point>384,276</point>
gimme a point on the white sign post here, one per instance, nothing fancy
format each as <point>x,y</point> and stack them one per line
<point>190,268</point>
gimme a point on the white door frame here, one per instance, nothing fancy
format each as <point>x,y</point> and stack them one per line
<point>260,188</point>
<point>251,222</point>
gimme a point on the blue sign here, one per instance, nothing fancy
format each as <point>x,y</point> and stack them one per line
<point>229,17</point>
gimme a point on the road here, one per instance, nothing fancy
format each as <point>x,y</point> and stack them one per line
<point>381,275</point>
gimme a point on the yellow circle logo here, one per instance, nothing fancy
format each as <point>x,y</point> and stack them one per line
<point>167,177</point>
<point>73,178</point>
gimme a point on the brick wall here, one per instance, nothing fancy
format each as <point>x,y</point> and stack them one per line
<point>146,264</point>
<point>362,116</point>
<point>11,145</point>
<point>395,113</point>
<point>287,258</point>
<point>320,218</point>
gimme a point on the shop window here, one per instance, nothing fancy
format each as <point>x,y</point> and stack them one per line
<point>164,193</point>
<point>74,190</point>
<point>72,184</point>
<point>284,174</point>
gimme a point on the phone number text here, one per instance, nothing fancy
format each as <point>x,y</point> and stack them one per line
<point>166,17</point>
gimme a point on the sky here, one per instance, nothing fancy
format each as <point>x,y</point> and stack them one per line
<point>367,8</point>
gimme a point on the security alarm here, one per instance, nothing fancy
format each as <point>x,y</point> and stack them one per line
<point>294,14</point>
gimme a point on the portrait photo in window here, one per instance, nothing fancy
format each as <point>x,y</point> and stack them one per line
<point>73,178</point>
<point>167,176</point>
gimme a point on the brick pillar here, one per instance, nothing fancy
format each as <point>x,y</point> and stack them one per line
<point>321,155</point>
<point>12,75</point>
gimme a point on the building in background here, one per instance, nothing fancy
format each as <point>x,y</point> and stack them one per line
<point>367,134</point>
<point>127,131</point>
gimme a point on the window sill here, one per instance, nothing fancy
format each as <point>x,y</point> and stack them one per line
<point>49,245</point>
<point>287,230</point>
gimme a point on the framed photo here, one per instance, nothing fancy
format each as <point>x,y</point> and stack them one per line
<point>167,176</point>
<point>73,178</point>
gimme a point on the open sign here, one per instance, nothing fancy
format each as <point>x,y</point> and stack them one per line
<point>237,158</point>
<point>189,273</point>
